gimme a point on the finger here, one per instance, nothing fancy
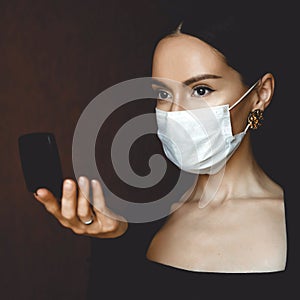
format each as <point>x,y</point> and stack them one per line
<point>84,211</point>
<point>49,201</point>
<point>98,198</point>
<point>69,201</point>
<point>102,212</point>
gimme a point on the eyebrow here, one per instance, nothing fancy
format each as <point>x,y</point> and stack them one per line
<point>190,80</point>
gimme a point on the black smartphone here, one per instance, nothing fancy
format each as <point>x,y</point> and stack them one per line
<point>40,162</point>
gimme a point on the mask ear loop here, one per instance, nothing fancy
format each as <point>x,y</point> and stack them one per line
<point>247,127</point>
<point>244,96</point>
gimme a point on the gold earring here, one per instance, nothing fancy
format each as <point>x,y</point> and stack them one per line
<point>254,119</point>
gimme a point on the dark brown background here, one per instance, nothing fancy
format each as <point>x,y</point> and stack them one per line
<point>55,57</point>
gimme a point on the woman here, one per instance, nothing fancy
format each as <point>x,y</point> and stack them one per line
<point>236,226</point>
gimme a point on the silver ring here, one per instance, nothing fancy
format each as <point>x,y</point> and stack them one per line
<point>89,221</point>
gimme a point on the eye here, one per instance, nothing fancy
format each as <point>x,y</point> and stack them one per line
<point>162,95</point>
<point>200,91</point>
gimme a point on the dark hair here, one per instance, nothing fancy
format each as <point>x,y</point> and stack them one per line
<point>244,36</point>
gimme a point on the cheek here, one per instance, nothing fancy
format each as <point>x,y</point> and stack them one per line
<point>239,116</point>
<point>163,105</point>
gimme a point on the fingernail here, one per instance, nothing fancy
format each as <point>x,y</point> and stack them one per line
<point>81,180</point>
<point>94,182</point>
<point>68,184</point>
<point>38,193</point>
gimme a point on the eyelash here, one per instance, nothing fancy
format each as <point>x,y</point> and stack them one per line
<point>207,91</point>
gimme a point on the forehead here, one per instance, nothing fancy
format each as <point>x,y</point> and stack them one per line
<point>184,56</point>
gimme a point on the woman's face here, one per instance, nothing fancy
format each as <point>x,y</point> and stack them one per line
<point>206,76</point>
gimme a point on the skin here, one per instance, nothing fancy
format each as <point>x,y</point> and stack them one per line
<point>242,229</point>
<point>75,209</point>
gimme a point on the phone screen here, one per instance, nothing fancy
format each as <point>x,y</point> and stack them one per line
<point>41,162</point>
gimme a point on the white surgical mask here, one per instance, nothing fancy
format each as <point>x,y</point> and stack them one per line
<point>200,140</point>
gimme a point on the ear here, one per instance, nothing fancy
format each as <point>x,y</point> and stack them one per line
<point>264,91</point>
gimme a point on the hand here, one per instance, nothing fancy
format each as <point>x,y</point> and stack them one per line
<point>74,211</point>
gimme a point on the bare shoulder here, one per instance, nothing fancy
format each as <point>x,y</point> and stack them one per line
<point>252,231</point>
<point>267,234</point>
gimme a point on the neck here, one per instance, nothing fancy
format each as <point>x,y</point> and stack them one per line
<point>240,178</point>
